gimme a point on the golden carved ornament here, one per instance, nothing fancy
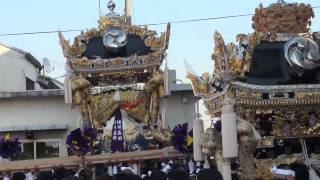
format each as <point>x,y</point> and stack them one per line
<point>106,21</point>
<point>248,95</point>
<point>156,42</point>
<point>234,61</point>
<point>89,34</point>
<point>200,86</point>
<point>154,87</point>
<point>150,37</point>
<point>283,18</point>
<point>153,57</point>
<point>220,56</point>
<point>71,51</point>
<point>307,95</point>
<point>80,63</point>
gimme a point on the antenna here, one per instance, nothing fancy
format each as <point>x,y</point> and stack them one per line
<point>47,65</point>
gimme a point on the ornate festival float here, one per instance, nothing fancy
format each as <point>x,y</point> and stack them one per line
<point>267,84</point>
<point>115,81</point>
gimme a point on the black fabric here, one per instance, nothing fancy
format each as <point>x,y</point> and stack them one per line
<point>288,146</point>
<point>301,171</point>
<point>18,176</point>
<point>269,67</point>
<point>135,45</point>
<point>158,175</point>
<point>45,175</point>
<point>60,173</point>
<point>209,174</point>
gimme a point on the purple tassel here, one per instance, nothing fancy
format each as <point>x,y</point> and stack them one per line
<point>179,138</point>
<point>81,142</point>
<point>217,126</point>
<point>10,148</point>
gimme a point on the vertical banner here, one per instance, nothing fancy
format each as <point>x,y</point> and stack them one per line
<point>117,143</point>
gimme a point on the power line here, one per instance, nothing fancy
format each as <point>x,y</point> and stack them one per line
<point>151,24</point>
<point>41,32</point>
<point>197,20</point>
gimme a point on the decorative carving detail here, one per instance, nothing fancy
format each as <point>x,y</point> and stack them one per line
<point>284,18</point>
<point>211,144</point>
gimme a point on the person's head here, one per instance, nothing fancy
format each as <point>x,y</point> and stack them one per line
<point>105,177</point>
<point>122,176</point>
<point>209,174</point>
<point>18,176</point>
<point>85,174</point>
<point>45,175</point>
<point>178,174</point>
<point>59,173</point>
<point>158,175</point>
<point>283,172</point>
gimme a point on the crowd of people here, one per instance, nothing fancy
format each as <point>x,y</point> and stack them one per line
<point>100,172</point>
<point>169,171</point>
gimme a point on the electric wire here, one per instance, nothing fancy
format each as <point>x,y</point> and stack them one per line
<point>150,24</point>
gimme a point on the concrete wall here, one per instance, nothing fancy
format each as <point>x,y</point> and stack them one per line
<point>14,68</point>
<point>26,113</point>
<point>180,108</point>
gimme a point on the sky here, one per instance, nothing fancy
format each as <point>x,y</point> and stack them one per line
<point>190,41</point>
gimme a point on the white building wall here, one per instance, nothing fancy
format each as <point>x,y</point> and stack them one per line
<point>38,112</point>
<point>180,108</point>
<point>11,70</point>
<point>14,68</point>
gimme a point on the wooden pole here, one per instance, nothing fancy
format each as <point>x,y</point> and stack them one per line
<point>128,11</point>
<point>139,168</point>
<point>74,161</point>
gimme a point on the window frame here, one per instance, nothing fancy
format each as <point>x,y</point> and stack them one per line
<point>40,140</point>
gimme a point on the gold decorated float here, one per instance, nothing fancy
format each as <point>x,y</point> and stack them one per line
<point>271,78</point>
<point>115,68</point>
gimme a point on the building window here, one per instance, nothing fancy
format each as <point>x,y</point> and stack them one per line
<point>40,149</point>
<point>27,151</point>
<point>29,84</point>
<point>47,149</point>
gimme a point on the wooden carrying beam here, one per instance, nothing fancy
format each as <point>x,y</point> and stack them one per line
<point>74,161</point>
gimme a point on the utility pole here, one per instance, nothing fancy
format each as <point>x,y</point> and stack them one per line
<point>128,11</point>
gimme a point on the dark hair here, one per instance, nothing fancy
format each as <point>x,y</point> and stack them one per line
<point>300,170</point>
<point>209,174</point>
<point>146,178</point>
<point>158,175</point>
<point>45,175</point>
<point>178,174</point>
<point>60,173</point>
<point>105,177</point>
<point>85,174</point>
<point>18,176</point>
<point>122,176</point>
<point>126,176</point>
